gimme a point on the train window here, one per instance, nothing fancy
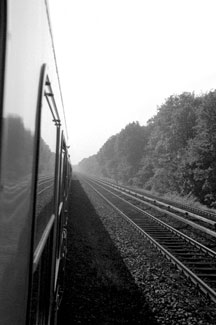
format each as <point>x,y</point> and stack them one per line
<point>61,224</point>
<point>63,169</point>
<point>45,207</point>
<point>46,171</point>
<point>61,193</point>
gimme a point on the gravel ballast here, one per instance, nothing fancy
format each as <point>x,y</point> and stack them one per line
<point>114,276</point>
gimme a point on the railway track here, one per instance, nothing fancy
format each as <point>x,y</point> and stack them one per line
<point>200,222</point>
<point>45,183</point>
<point>195,260</point>
<point>211,215</point>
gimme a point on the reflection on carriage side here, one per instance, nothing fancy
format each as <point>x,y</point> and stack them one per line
<point>34,167</point>
<point>15,201</point>
<point>46,171</point>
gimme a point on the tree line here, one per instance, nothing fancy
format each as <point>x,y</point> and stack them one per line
<point>174,153</point>
<point>19,154</point>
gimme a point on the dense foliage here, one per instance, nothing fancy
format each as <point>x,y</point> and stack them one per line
<point>175,152</point>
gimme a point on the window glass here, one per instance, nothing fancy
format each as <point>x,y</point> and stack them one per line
<point>62,175</point>
<point>46,170</point>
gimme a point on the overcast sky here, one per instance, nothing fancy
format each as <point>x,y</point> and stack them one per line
<point>120,59</point>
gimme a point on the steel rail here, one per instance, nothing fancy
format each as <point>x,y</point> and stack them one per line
<point>190,274</point>
<point>191,223</point>
<point>44,181</point>
<point>44,189</point>
<point>166,202</point>
<point>172,229</point>
<point>170,205</point>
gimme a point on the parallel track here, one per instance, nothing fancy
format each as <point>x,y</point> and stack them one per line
<point>203,224</point>
<point>45,183</point>
<point>194,259</point>
<point>184,208</point>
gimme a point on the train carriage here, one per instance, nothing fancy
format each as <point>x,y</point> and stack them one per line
<point>34,167</point>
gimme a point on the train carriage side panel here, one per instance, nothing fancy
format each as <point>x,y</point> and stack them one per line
<point>28,46</point>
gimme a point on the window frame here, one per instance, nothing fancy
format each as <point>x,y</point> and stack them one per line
<point>48,95</point>
<point>47,242</point>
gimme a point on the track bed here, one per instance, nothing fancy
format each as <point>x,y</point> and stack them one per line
<point>114,276</point>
